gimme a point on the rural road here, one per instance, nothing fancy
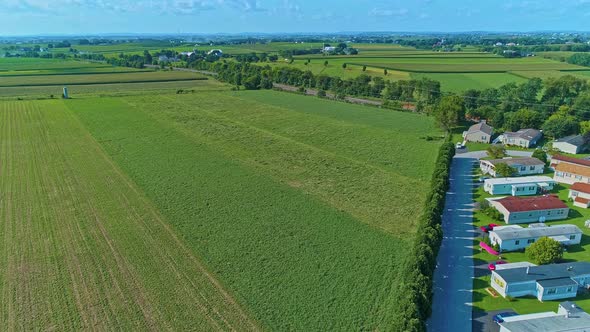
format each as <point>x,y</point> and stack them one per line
<point>453,277</point>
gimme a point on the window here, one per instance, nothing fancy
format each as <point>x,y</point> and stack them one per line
<point>523,168</point>
<point>569,289</point>
<point>572,237</point>
<point>560,174</point>
<point>551,291</point>
<point>532,168</point>
<point>578,177</point>
<point>517,242</point>
<point>529,241</point>
<point>548,213</point>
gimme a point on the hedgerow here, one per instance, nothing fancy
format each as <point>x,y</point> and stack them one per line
<point>415,305</point>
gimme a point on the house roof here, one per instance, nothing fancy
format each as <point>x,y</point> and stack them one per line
<point>581,187</point>
<point>545,272</point>
<point>576,161</point>
<point>577,140</point>
<point>557,282</point>
<point>530,161</point>
<point>535,232</point>
<point>573,169</point>
<point>535,203</point>
<point>481,126</point>
<point>582,200</point>
<point>527,134</point>
<point>520,180</point>
<point>578,320</point>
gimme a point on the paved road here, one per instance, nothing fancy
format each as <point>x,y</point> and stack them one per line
<point>453,278</point>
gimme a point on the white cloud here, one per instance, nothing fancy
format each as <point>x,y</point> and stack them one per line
<point>388,12</point>
<point>163,6</point>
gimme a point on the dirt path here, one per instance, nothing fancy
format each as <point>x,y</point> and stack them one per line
<point>314,92</point>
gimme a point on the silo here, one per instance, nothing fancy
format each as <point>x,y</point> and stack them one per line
<point>65,92</point>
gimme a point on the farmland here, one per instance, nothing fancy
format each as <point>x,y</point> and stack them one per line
<point>83,248</point>
<point>256,210</point>
<point>40,78</point>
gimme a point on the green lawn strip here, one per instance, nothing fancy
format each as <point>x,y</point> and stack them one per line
<point>294,261</point>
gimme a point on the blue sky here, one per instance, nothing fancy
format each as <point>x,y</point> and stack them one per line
<point>18,17</point>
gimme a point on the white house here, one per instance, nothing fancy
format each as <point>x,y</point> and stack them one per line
<point>521,186</point>
<point>523,166</point>
<point>329,49</point>
<point>573,144</point>
<point>545,282</point>
<point>524,138</point>
<point>569,317</point>
<point>479,132</point>
<point>521,210</point>
<point>580,194</point>
<point>514,237</point>
<point>570,170</point>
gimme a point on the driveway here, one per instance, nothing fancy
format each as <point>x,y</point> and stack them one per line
<point>453,277</point>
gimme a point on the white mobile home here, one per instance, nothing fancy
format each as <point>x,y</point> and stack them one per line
<point>521,210</point>
<point>571,144</point>
<point>545,282</point>
<point>480,132</point>
<point>521,186</point>
<point>580,194</point>
<point>525,138</point>
<point>523,166</point>
<point>514,237</point>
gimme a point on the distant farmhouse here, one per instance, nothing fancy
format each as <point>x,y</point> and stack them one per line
<point>521,186</point>
<point>480,132</point>
<point>524,138</point>
<point>216,52</point>
<point>523,166</point>
<point>571,144</point>
<point>545,282</point>
<point>570,170</point>
<point>569,317</point>
<point>580,194</point>
<point>515,237</point>
<point>521,210</point>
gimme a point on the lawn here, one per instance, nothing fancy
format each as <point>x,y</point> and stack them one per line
<point>27,64</point>
<point>83,248</point>
<point>483,301</point>
<point>303,208</point>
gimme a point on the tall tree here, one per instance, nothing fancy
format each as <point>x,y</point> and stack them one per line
<point>449,112</point>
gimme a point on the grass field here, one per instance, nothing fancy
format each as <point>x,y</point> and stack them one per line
<point>120,89</point>
<point>83,248</point>
<point>214,210</point>
<point>27,64</point>
<point>458,82</point>
<point>103,78</point>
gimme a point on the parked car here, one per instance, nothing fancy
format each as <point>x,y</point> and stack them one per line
<point>492,266</point>
<point>459,145</point>
<point>487,228</point>
<point>499,318</point>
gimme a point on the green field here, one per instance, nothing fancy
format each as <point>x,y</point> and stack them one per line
<point>27,64</point>
<point>83,248</point>
<point>103,78</point>
<point>213,210</point>
<point>458,82</point>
